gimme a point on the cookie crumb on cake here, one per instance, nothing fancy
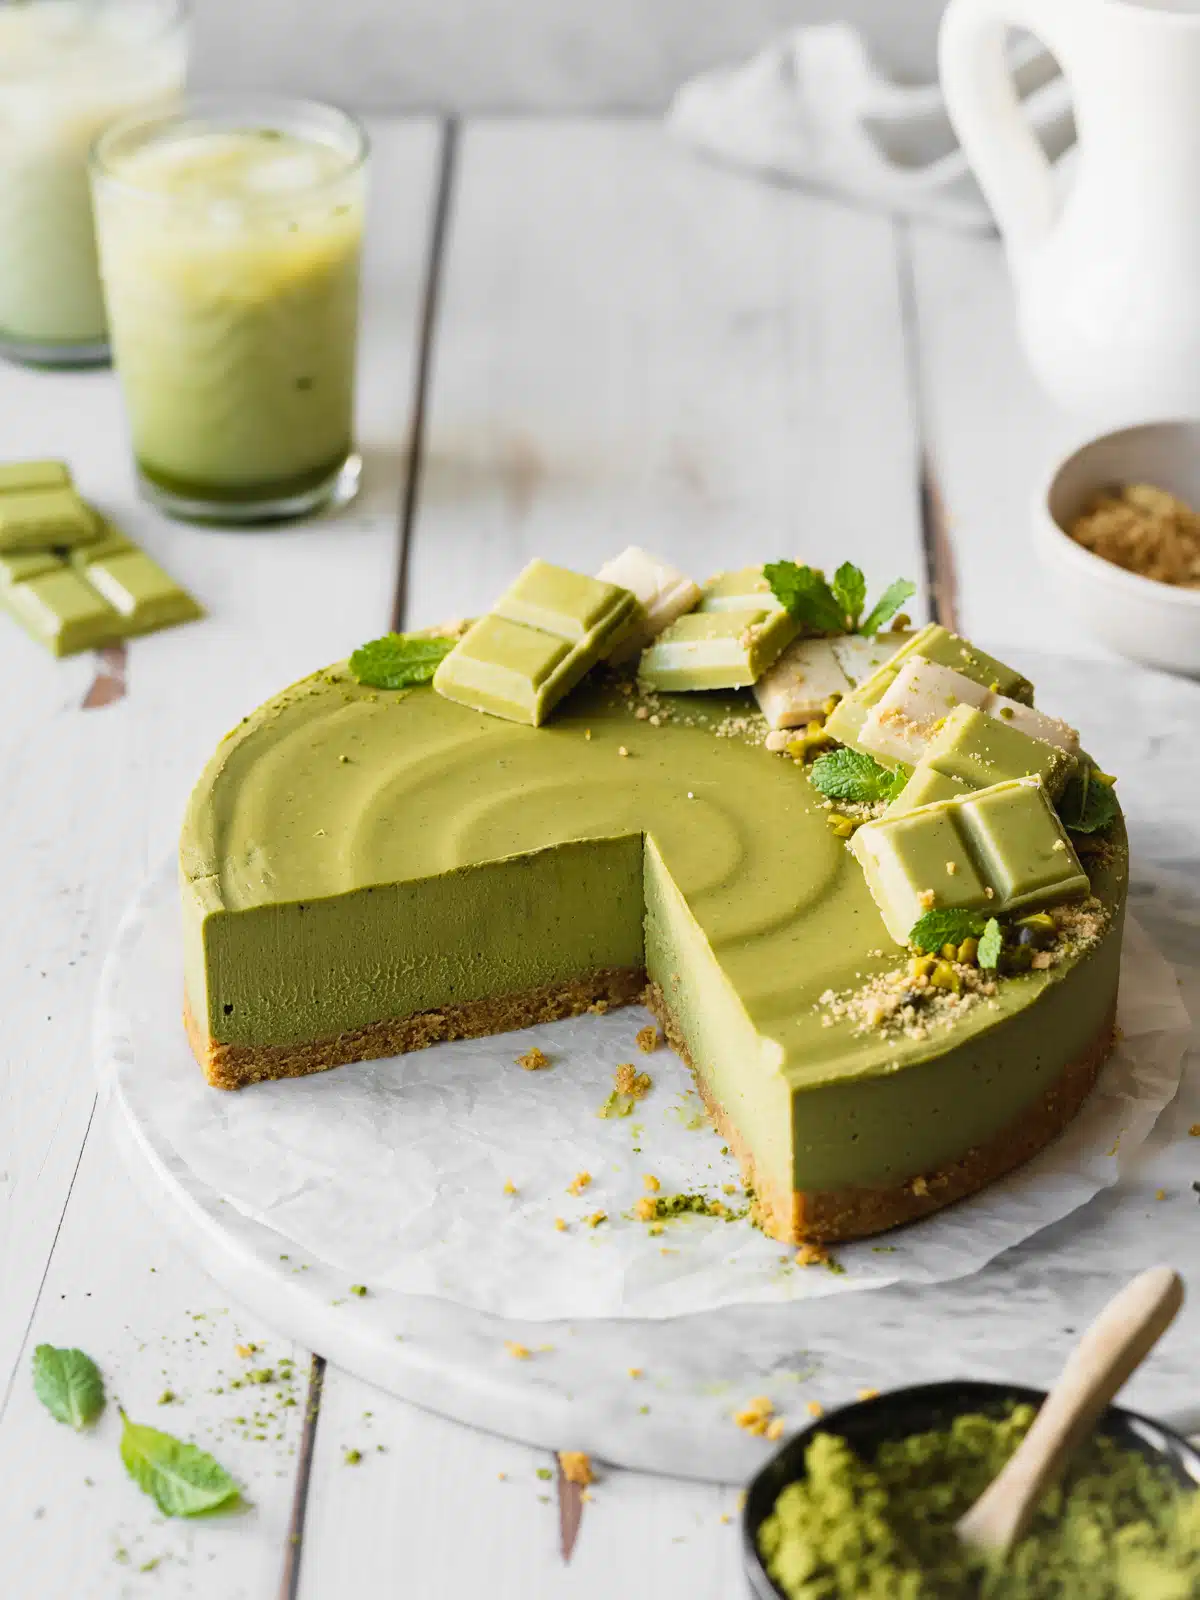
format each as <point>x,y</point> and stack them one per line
<point>533,1060</point>
<point>579,1183</point>
<point>519,1352</point>
<point>648,1039</point>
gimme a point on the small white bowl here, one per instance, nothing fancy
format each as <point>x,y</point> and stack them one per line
<point>1149,621</point>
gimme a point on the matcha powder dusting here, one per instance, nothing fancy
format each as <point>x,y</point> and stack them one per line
<point>1117,1528</point>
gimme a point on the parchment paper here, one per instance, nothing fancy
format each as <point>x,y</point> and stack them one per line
<point>393,1172</point>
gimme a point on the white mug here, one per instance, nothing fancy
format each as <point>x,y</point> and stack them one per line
<point>1108,279</point>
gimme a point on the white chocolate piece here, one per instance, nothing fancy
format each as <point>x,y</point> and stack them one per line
<point>902,723</point>
<point>1035,723</point>
<point>859,656</point>
<point>663,592</point>
<point>796,688</point>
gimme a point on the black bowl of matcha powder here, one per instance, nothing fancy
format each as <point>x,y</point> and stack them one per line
<point>862,1506</point>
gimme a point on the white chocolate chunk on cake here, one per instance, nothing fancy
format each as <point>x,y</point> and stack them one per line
<point>663,592</point>
<point>800,683</point>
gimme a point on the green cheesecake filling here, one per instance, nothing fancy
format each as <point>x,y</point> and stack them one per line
<point>352,855</point>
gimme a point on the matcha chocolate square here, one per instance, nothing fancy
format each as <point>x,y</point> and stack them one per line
<point>515,667</point>
<point>141,591</point>
<point>17,476</point>
<point>19,565</point>
<point>33,519</point>
<point>744,590</point>
<point>63,612</point>
<point>568,604</point>
<point>917,863</point>
<point>924,787</point>
<point>1020,844</point>
<point>990,851</point>
<point>983,750</point>
<point>717,649</point>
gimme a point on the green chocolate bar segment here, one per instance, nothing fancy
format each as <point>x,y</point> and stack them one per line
<point>924,787</point>
<point>744,590</point>
<point>992,851</point>
<point>538,641</point>
<point>109,541</point>
<point>932,643</point>
<point>62,611</point>
<point>22,564</point>
<point>567,604</point>
<point>18,476</point>
<point>141,591</point>
<point>982,750</point>
<point>34,519</point>
<point>1021,847</point>
<point>717,649</point>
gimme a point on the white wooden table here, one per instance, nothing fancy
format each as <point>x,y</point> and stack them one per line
<point>575,338</point>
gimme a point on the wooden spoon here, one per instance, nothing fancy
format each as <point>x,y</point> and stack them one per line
<point>1111,1350</point>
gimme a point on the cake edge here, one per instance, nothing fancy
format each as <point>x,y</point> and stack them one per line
<point>793,1216</point>
<point>798,1216</point>
<point>237,1066</point>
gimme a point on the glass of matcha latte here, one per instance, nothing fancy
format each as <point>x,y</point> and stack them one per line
<point>230,233</point>
<point>68,68</point>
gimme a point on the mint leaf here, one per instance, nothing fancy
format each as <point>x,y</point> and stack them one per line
<point>1088,804</point>
<point>69,1385</point>
<point>991,943</point>
<point>398,660</point>
<point>803,592</point>
<point>182,1479</point>
<point>886,607</point>
<point>937,928</point>
<point>850,591</point>
<point>854,776</point>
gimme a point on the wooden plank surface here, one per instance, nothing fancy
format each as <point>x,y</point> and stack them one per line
<point>636,348</point>
<point>90,799</point>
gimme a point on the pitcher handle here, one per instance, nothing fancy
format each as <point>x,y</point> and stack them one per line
<point>985,110</point>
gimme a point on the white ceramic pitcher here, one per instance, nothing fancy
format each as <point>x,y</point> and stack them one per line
<point>1108,282</point>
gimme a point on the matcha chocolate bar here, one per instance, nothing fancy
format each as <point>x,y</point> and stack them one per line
<point>34,519</point>
<point>17,476</point>
<point>717,649</point>
<point>930,643</point>
<point>996,850</point>
<point>61,610</point>
<point>981,750</point>
<point>543,634</point>
<point>69,603</point>
<point>140,591</point>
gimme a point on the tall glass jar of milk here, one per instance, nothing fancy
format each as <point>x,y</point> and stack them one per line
<point>68,68</point>
<point>230,233</point>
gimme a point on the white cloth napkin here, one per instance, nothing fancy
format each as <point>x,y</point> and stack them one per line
<point>813,108</point>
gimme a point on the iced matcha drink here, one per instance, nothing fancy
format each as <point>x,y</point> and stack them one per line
<point>68,68</point>
<point>230,238</point>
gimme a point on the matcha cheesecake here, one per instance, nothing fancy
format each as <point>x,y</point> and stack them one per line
<point>373,862</point>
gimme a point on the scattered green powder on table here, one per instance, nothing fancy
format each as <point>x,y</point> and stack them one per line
<point>1117,1527</point>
